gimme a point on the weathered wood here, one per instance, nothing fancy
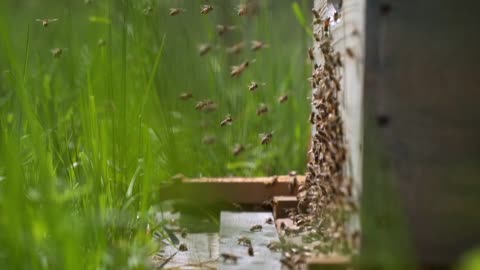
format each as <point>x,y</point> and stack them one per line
<point>202,253</point>
<point>421,102</point>
<point>235,225</point>
<point>231,189</point>
<point>281,204</point>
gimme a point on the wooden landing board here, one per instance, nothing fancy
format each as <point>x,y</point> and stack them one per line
<point>235,225</point>
<point>231,189</point>
<point>281,204</point>
<point>202,253</point>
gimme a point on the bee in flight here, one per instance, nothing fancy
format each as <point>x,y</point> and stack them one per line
<point>238,149</point>
<point>263,109</point>
<point>254,85</point>
<point>227,121</point>
<point>236,48</point>
<point>237,70</point>
<point>186,96</point>
<point>266,137</point>
<point>206,9</point>
<point>283,98</point>
<point>222,29</point>
<point>176,11</point>
<point>242,10</point>
<point>257,45</point>
<point>45,22</point>
<point>56,52</point>
<point>204,49</point>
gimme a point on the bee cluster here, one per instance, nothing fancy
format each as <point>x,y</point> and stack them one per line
<point>325,199</point>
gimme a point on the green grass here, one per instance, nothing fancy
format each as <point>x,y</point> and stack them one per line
<point>87,139</point>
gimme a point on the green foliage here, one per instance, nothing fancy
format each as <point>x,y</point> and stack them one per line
<point>88,138</point>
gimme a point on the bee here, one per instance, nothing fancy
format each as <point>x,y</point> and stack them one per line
<point>267,204</point>
<point>206,9</point>
<point>222,29</point>
<point>46,22</point>
<point>263,109</point>
<point>244,241</point>
<point>257,45</point>
<point>326,25</point>
<point>242,10</point>
<point>56,52</point>
<point>238,149</point>
<point>147,10</point>
<point>250,251</point>
<point>203,49</point>
<point>237,70</point>
<point>236,48</point>
<point>269,221</point>
<point>183,233</point>
<point>227,121</point>
<point>266,137</point>
<point>336,16</point>
<point>176,11</point>
<point>210,107</point>
<point>186,96</point>
<point>311,56</point>
<point>350,52</point>
<point>274,245</point>
<point>273,181</point>
<point>229,257</point>
<point>283,98</point>
<point>101,42</point>
<point>182,247</point>
<point>256,228</point>
<point>283,225</point>
<point>254,85</point>
<point>201,104</point>
<point>316,14</point>
<point>209,139</point>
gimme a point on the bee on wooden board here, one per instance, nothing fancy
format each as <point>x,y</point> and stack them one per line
<point>238,70</point>
<point>222,29</point>
<point>182,247</point>
<point>266,137</point>
<point>250,251</point>
<point>206,9</point>
<point>183,233</point>
<point>350,52</point>
<point>257,45</point>
<point>283,98</point>
<point>186,96</point>
<point>269,221</point>
<point>244,241</point>
<point>229,257</point>
<point>256,228</point>
<point>176,11</point>
<point>227,121</point>
<point>46,22</point>
<point>272,182</point>
<point>263,109</point>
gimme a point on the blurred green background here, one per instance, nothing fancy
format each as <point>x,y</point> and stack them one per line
<point>87,138</point>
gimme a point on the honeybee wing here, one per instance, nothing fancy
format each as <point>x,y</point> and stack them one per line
<point>52,20</point>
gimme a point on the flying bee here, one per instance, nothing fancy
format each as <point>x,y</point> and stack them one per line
<point>311,56</point>
<point>263,109</point>
<point>269,221</point>
<point>227,121</point>
<point>46,22</point>
<point>101,42</point>
<point>283,98</point>
<point>242,10</point>
<point>182,247</point>
<point>56,52</point>
<point>256,228</point>
<point>204,49</point>
<point>236,48</point>
<point>266,137</point>
<point>209,139</point>
<point>210,107</point>
<point>238,149</point>
<point>250,251</point>
<point>244,241</point>
<point>206,9</point>
<point>257,45</point>
<point>222,29</point>
<point>229,257</point>
<point>186,96</point>
<point>205,105</point>
<point>176,11</point>
<point>237,70</point>
<point>254,85</point>
<point>148,10</point>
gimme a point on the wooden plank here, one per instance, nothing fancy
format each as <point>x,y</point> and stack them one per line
<point>330,262</point>
<point>202,253</point>
<point>231,189</point>
<point>281,204</point>
<point>235,225</point>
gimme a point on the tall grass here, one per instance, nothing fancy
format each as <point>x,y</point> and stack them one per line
<point>87,139</point>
